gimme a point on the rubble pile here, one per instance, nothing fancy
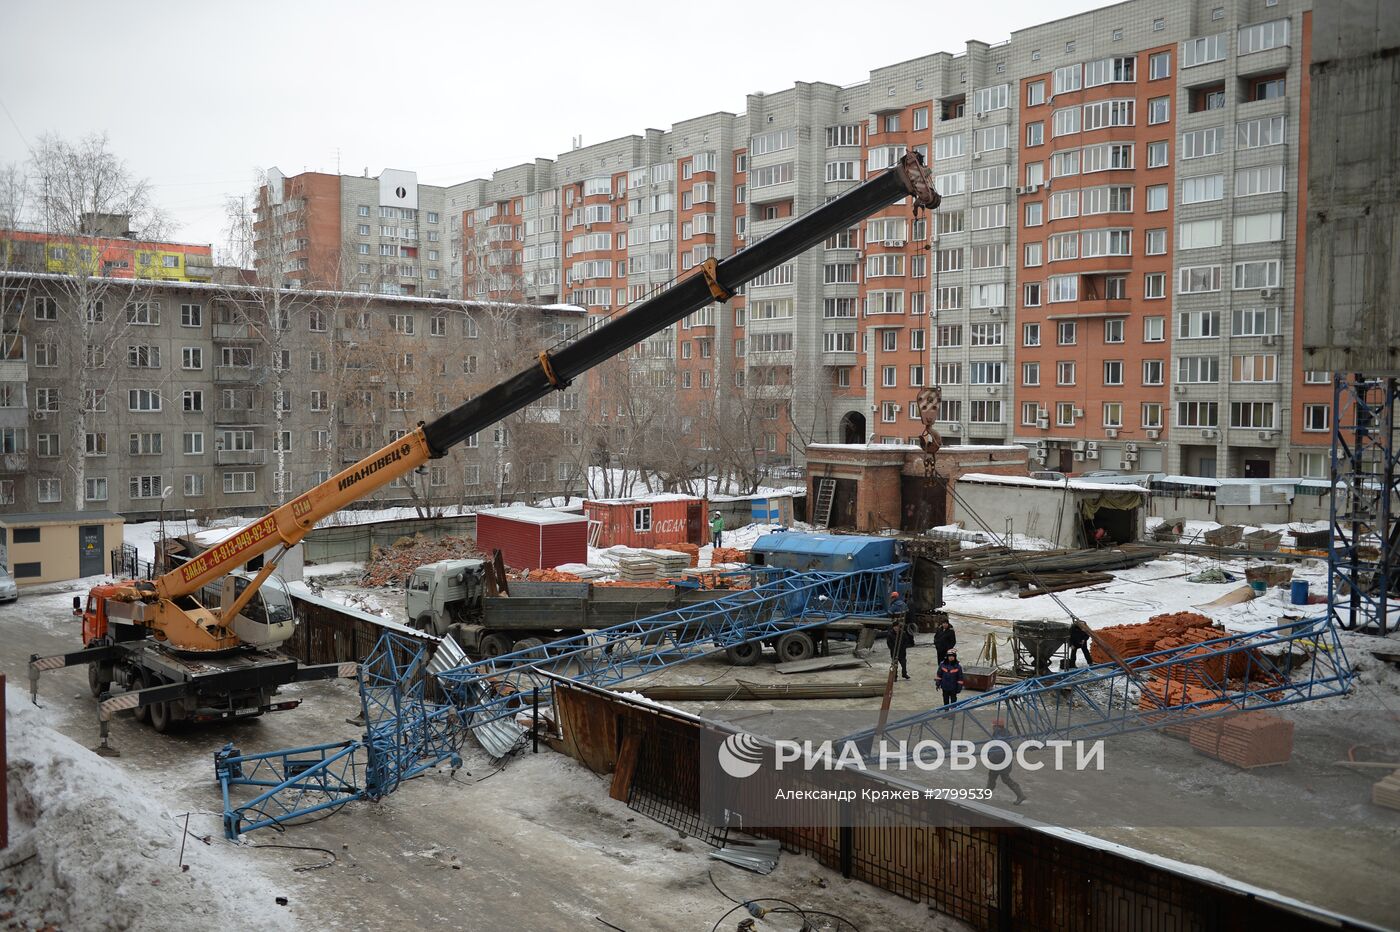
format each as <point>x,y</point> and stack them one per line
<point>392,565</point>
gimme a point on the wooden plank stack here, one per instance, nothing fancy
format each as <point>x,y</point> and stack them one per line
<point>1387,792</point>
<point>1246,740</point>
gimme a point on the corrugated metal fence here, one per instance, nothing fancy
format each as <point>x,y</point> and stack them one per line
<point>1001,877</point>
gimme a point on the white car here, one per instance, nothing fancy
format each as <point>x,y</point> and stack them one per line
<point>8,590</point>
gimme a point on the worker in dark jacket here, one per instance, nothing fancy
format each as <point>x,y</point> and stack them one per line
<point>944,639</point>
<point>999,761</point>
<point>950,678</point>
<point>900,638</point>
<point>1078,641</point>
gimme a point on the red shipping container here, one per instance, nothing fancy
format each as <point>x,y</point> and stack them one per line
<point>654,521</point>
<point>532,538</point>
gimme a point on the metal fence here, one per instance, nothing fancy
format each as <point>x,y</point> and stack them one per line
<point>999,877</point>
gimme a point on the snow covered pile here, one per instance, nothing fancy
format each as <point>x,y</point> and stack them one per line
<point>92,849</point>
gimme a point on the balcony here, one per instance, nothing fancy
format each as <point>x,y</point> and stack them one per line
<point>14,370</point>
<point>237,374</point>
<point>239,417</point>
<point>14,462</point>
<point>240,457</point>
<point>199,267</point>
<point>233,332</point>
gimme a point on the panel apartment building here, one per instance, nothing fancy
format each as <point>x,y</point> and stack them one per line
<point>1113,280</point>
<point>235,398</point>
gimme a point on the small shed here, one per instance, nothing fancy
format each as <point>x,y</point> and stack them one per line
<point>651,521</point>
<point>55,546</point>
<point>1065,512</point>
<point>532,538</point>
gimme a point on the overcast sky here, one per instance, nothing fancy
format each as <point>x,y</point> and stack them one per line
<point>198,96</point>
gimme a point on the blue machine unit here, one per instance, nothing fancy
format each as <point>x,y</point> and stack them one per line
<point>831,553</point>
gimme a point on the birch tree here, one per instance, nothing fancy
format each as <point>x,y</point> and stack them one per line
<point>91,210</point>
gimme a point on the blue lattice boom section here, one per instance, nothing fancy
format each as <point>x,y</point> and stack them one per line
<point>1291,663</point>
<point>407,733</point>
<point>501,686</point>
<point>1364,556</point>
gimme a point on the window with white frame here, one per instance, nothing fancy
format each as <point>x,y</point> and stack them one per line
<point>1152,372</point>
<point>1204,50</point>
<point>1254,367</point>
<point>1198,325</point>
<point>1030,373</point>
<point>1197,370</point>
<point>1198,279</point>
<point>1258,228</point>
<point>1197,414</point>
<point>1154,285</point>
<point>1155,242</point>
<point>1157,197</point>
<point>1255,322</point>
<point>1066,79</point>
<point>1063,288</point>
<point>1253,415</point>
<point>1064,372</point>
<point>1262,36</point>
<point>1199,234</point>
<point>1202,142</point>
<point>1317,418</point>
<point>1258,274</point>
<point>1064,414</point>
<point>1263,179</point>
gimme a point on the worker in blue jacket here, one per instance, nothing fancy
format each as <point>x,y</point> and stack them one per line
<point>950,678</point>
<point>1000,760</point>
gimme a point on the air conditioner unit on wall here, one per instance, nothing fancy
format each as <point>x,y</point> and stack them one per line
<point>1209,433</point>
<point>1154,434</point>
<point>1043,423</point>
<point>1091,455</point>
<point>1129,447</point>
<point>1130,457</point>
<point>1079,445</point>
<point>1092,445</point>
<point>1041,444</point>
<point>1111,433</point>
<point>1079,457</point>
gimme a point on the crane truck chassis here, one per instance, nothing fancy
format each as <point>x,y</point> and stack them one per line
<point>173,624</point>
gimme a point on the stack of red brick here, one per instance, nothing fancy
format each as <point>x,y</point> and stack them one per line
<point>682,547</point>
<point>1142,638</point>
<point>1248,739</point>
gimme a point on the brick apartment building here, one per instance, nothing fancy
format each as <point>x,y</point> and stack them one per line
<point>1113,279</point>
<point>235,400</point>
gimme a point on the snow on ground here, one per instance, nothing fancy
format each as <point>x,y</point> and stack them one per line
<point>92,849</point>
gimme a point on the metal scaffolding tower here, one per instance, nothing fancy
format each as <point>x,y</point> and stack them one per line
<point>1364,555</point>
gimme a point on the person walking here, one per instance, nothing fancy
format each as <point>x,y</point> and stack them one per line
<point>900,636</point>
<point>717,529</point>
<point>950,678</point>
<point>999,761</point>
<point>944,639</point>
<point>1078,641</point>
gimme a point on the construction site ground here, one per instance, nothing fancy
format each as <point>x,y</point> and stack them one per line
<point>534,844</point>
<point>538,844</point>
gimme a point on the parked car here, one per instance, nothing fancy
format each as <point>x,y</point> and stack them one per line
<point>8,590</point>
<point>1049,474</point>
<point>1100,473</point>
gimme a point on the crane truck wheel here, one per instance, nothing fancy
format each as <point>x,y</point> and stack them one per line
<point>96,683</point>
<point>529,644</point>
<point>796,645</point>
<point>161,717</point>
<point>744,655</point>
<point>495,644</point>
<point>141,681</point>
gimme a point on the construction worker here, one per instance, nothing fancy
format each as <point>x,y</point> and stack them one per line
<point>1078,641</point>
<point>950,678</point>
<point>900,636</point>
<point>944,639</point>
<point>717,529</point>
<point>999,761</point>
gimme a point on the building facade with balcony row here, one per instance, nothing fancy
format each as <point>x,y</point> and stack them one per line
<point>1113,279</point>
<point>235,399</point>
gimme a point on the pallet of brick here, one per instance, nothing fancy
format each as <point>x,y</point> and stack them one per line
<point>1246,740</point>
<point>1387,792</point>
<point>728,555</point>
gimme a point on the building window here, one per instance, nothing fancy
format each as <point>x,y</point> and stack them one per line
<point>1064,372</point>
<point>1030,334</point>
<point>1157,197</point>
<point>1064,414</point>
<point>1317,418</point>
<point>1113,372</point>
<point>1030,373</point>
<point>1068,333</point>
<point>95,489</point>
<point>641,519</point>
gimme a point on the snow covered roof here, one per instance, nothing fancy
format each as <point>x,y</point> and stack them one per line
<point>1077,485</point>
<point>532,515</point>
<point>644,499</point>
<point>892,447</point>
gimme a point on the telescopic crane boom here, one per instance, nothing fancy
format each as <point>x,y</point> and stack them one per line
<point>184,625</point>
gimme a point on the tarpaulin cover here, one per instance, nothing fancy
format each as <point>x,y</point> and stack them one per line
<point>1125,501</point>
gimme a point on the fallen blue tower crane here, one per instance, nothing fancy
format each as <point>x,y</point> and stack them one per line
<point>497,687</point>
<point>1292,663</point>
<point>407,733</point>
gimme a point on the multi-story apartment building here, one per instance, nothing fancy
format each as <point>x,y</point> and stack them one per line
<point>105,245</point>
<point>1113,279</point>
<point>229,398</point>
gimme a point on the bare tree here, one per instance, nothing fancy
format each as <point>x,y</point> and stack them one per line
<point>89,208</point>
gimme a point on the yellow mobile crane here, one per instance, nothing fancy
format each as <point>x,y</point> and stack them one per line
<point>178,658</point>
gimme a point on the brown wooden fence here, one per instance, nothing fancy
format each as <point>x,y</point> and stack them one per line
<point>1009,876</point>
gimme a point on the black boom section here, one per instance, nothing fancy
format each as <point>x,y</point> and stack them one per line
<point>908,178</point>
